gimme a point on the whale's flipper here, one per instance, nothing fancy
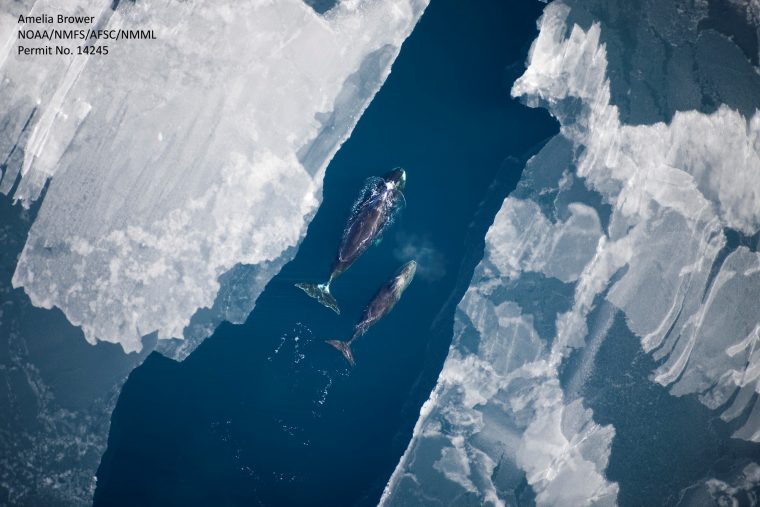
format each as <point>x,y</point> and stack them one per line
<point>344,347</point>
<point>320,292</point>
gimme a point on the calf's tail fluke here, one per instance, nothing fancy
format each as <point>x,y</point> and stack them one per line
<point>320,292</point>
<point>345,349</point>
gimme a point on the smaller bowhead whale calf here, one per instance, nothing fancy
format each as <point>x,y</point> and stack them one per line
<point>371,214</point>
<point>381,304</point>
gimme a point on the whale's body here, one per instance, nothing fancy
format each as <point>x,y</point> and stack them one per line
<point>371,214</point>
<point>383,302</point>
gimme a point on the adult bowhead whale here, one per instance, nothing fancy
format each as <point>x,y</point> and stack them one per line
<point>383,302</point>
<point>371,214</point>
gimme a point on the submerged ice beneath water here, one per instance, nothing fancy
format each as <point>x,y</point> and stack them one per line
<point>608,218</point>
<point>174,160</point>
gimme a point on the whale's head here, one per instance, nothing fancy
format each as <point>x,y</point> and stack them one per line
<point>406,273</point>
<point>396,177</point>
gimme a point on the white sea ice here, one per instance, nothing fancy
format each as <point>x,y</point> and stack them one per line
<point>523,239</point>
<point>675,189</point>
<point>173,160</point>
<point>499,412</point>
<point>671,192</point>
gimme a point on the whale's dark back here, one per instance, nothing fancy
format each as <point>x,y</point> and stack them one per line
<point>381,304</point>
<point>365,226</point>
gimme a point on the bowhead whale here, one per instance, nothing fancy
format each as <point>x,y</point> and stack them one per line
<point>383,302</point>
<point>371,214</point>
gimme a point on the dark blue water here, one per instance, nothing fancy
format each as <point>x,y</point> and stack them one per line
<point>265,412</point>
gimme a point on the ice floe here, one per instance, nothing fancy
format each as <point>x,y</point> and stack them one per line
<point>631,218</point>
<point>172,161</point>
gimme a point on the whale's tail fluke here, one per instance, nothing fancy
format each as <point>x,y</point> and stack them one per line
<point>320,292</point>
<point>345,349</point>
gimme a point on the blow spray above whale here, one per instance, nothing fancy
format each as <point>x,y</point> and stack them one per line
<point>372,213</point>
<point>383,302</point>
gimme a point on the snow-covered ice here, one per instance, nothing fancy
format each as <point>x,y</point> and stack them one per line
<point>181,173</point>
<point>623,218</point>
<point>171,161</point>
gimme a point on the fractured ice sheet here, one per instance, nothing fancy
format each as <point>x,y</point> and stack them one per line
<point>528,241</point>
<point>634,219</point>
<point>498,415</point>
<point>174,160</point>
<point>675,189</point>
